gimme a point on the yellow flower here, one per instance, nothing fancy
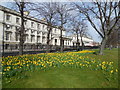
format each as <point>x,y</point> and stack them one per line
<point>8,67</point>
<point>103,62</point>
<point>80,64</point>
<point>0,72</point>
<point>111,71</point>
<point>5,69</point>
<point>116,70</point>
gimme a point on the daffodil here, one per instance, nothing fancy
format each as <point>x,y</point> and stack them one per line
<point>111,71</point>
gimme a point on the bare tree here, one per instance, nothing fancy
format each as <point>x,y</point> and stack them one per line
<point>46,11</point>
<point>113,37</point>
<point>82,32</point>
<point>104,12</point>
<point>79,28</point>
<point>75,26</point>
<point>21,5</point>
<point>62,18</point>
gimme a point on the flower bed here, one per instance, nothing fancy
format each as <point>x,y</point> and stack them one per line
<point>13,65</point>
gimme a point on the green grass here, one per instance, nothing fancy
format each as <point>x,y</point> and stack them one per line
<point>110,55</point>
<point>66,77</point>
<point>63,78</point>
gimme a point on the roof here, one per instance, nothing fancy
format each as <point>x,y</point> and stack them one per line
<point>8,10</point>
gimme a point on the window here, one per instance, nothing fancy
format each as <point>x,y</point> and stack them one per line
<point>43,26</point>
<point>43,39</point>
<point>73,44</point>
<point>32,24</point>
<point>24,46</point>
<point>17,20</point>
<point>8,36</point>
<point>38,38</point>
<point>55,40</point>
<point>16,46</point>
<point>68,42</point>
<point>32,46</point>
<point>32,38</point>
<point>8,17</point>
<point>26,37</point>
<point>6,46</point>
<point>55,30</point>
<point>38,26</point>
<point>17,36</point>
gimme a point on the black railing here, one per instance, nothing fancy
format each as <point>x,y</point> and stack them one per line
<point>35,49</point>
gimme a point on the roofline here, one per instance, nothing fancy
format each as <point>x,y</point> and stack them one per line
<point>8,10</point>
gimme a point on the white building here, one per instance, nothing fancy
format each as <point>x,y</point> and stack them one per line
<point>35,32</point>
<point>88,41</point>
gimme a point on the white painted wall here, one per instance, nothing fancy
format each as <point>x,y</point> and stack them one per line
<point>43,29</point>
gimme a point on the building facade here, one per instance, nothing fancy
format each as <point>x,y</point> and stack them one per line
<point>35,32</point>
<point>86,40</point>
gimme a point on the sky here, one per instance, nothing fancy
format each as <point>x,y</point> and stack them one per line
<point>95,36</point>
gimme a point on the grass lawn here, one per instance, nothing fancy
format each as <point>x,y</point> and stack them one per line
<point>65,72</point>
<point>110,55</point>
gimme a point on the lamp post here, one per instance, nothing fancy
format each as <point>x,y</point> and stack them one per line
<point>26,13</point>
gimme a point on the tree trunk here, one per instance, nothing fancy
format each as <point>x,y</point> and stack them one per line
<point>21,38</point>
<point>48,48</point>
<point>21,45</point>
<point>82,44</point>
<point>102,47</point>
<point>110,47</point>
<point>21,30</point>
<point>48,40</point>
<point>77,44</point>
<point>61,41</point>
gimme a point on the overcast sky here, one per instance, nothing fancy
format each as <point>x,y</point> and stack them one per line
<point>91,31</point>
